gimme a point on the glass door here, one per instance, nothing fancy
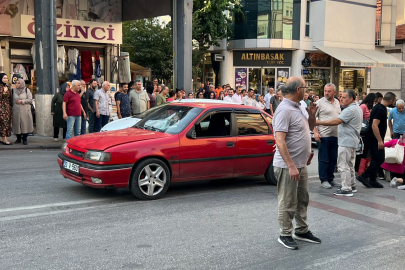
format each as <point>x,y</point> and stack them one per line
<point>268,79</point>
<point>255,79</point>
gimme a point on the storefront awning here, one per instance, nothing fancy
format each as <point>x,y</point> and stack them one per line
<point>383,59</point>
<point>362,58</point>
<point>136,67</point>
<point>349,57</point>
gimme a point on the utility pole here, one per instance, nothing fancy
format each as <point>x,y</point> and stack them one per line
<point>182,19</point>
<point>45,60</point>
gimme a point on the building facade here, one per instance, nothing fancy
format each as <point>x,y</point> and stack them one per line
<point>323,41</point>
<point>86,31</point>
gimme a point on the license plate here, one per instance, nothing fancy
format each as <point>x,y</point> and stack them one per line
<point>71,166</point>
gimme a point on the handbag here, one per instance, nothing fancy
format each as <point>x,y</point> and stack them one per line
<point>360,147</point>
<point>394,155</point>
<point>365,127</point>
<point>364,163</point>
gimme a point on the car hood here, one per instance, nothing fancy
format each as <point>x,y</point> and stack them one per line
<point>104,140</point>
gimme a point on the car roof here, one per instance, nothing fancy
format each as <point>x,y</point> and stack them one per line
<point>212,104</point>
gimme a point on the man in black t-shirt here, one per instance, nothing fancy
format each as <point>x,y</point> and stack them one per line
<point>375,140</point>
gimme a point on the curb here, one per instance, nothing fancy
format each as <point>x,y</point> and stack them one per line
<point>28,147</point>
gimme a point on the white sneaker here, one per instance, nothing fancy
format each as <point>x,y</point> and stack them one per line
<point>55,139</point>
<point>401,187</point>
<point>326,184</point>
<point>394,182</point>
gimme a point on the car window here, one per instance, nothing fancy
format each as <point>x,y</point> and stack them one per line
<point>270,121</point>
<point>251,124</point>
<point>215,124</point>
<point>169,119</point>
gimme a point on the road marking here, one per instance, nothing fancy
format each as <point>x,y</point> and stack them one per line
<point>364,203</point>
<point>360,251</point>
<point>356,216</point>
<point>23,208</point>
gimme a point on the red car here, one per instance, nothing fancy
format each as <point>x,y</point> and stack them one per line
<point>180,141</point>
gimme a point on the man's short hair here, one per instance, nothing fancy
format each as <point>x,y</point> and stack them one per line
<point>291,87</point>
<point>91,81</point>
<point>350,93</point>
<point>400,102</point>
<point>104,83</point>
<point>243,91</point>
<point>131,83</point>
<point>389,96</point>
<point>330,85</point>
<point>122,84</point>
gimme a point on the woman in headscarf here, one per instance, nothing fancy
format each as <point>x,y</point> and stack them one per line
<point>22,117</point>
<point>5,110</point>
<point>57,112</point>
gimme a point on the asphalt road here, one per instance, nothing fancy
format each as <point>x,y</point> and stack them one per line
<point>48,222</point>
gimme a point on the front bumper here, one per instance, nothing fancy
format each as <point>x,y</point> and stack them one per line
<point>113,176</point>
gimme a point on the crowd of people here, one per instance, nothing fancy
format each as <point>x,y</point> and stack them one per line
<point>348,131</point>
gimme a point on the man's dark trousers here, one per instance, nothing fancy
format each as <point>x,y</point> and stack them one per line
<point>327,158</point>
<point>377,159</point>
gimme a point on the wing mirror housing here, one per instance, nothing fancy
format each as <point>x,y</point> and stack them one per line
<point>192,134</point>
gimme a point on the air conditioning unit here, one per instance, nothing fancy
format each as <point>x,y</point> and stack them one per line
<point>219,57</point>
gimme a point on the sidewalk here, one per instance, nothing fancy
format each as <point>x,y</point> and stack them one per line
<point>34,142</point>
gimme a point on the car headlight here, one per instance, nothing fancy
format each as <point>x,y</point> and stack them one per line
<point>64,147</point>
<point>97,156</point>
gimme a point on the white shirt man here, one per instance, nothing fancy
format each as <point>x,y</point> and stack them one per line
<point>267,98</point>
<point>249,99</point>
<point>228,98</point>
<point>237,97</point>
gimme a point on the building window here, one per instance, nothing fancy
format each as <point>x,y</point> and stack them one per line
<point>307,19</point>
<point>277,19</point>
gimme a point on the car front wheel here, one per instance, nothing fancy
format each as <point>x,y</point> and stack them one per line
<point>270,176</point>
<point>150,180</point>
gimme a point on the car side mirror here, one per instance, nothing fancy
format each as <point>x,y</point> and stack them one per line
<point>192,134</point>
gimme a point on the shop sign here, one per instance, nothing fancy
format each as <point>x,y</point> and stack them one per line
<point>357,64</point>
<point>306,62</point>
<point>79,31</point>
<point>318,60</point>
<point>305,71</point>
<point>391,65</point>
<point>241,77</point>
<point>262,58</point>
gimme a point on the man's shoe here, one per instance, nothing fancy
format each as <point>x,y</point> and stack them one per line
<point>17,142</point>
<point>354,189</point>
<point>326,184</point>
<point>308,237</point>
<point>25,142</point>
<point>288,242</point>
<point>394,182</point>
<point>364,181</point>
<point>55,139</point>
<point>375,184</point>
<point>334,184</point>
<point>345,193</point>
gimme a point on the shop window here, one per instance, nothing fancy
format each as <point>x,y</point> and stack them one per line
<point>316,80</point>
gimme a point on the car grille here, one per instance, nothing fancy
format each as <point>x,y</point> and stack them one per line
<point>76,153</point>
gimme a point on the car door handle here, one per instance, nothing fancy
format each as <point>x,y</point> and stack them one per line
<point>270,142</point>
<point>230,144</point>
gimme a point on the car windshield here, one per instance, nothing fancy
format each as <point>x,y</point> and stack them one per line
<point>169,119</point>
<point>147,112</point>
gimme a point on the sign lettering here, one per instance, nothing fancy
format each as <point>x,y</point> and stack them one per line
<point>262,58</point>
<point>79,31</point>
